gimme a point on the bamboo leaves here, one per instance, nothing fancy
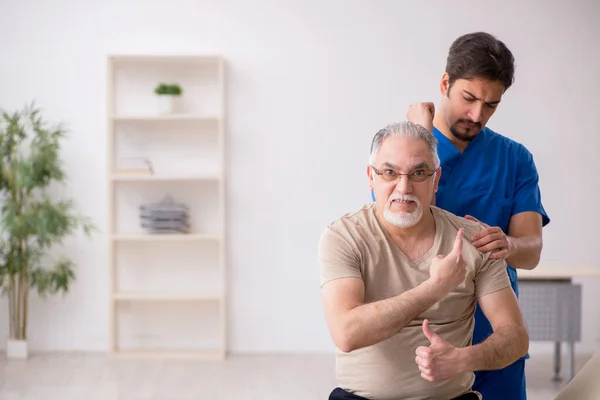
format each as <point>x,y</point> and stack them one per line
<point>31,221</point>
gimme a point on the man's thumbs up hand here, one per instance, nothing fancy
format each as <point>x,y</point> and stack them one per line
<point>438,361</point>
<point>436,341</point>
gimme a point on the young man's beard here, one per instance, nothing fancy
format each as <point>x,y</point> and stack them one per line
<point>464,136</point>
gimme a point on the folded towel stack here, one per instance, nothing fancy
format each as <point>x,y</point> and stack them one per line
<point>165,217</point>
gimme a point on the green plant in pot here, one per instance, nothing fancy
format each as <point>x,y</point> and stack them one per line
<point>32,222</point>
<point>167,93</point>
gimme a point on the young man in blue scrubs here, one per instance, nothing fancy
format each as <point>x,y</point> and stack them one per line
<point>486,176</point>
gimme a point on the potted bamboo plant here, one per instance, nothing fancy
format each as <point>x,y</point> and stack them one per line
<point>31,221</point>
<point>167,94</point>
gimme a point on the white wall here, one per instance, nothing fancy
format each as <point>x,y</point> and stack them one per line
<point>317,78</point>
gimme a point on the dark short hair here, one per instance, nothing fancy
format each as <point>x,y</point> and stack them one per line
<point>480,55</point>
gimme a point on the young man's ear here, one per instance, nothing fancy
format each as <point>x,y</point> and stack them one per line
<point>445,84</point>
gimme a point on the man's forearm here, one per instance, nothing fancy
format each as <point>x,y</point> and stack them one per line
<point>500,349</point>
<point>524,251</point>
<point>372,323</point>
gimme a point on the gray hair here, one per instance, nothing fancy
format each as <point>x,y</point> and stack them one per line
<point>405,129</point>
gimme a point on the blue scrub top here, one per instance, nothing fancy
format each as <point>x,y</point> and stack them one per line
<point>492,180</point>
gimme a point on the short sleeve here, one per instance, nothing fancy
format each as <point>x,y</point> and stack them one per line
<point>527,195</point>
<point>337,258</point>
<point>490,277</point>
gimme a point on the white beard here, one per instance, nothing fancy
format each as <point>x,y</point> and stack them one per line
<point>401,219</point>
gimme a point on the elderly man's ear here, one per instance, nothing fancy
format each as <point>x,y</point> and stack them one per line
<point>370,176</point>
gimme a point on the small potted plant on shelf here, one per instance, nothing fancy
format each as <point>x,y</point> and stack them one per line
<point>167,93</point>
<point>32,221</point>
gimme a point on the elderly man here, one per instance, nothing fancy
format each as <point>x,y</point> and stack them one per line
<point>400,283</point>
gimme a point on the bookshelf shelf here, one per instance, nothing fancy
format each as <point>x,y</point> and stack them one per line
<point>164,238</point>
<point>167,296</point>
<point>141,177</point>
<point>166,118</point>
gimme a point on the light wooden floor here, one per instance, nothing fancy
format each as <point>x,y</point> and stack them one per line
<point>290,377</point>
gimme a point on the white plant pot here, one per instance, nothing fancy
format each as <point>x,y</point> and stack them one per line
<point>16,349</point>
<point>166,104</point>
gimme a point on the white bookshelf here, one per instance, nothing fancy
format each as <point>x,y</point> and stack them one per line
<point>167,291</point>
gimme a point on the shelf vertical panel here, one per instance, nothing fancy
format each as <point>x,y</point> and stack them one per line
<point>110,104</point>
<point>222,197</point>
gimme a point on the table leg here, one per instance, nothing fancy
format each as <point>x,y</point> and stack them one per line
<point>570,361</point>
<point>557,358</point>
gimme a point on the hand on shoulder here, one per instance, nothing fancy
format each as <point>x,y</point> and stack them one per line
<point>490,238</point>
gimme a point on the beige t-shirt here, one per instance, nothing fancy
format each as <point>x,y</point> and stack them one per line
<point>357,245</point>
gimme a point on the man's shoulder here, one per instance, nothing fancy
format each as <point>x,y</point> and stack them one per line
<point>470,227</point>
<point>503,141</point>
<point>452,223</point>
<point>349,232</point>
<point>353,221</point>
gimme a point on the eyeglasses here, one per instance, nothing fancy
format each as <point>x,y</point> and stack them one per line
<point>390,175</point>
